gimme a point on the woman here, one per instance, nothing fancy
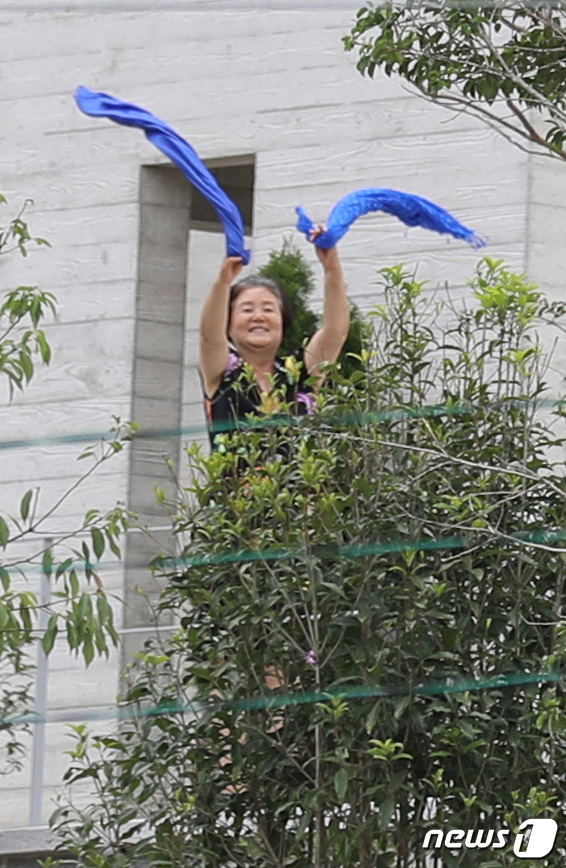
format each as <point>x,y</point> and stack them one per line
<point>244,323</point>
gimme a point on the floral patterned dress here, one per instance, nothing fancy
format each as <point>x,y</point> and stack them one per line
<point>238,395</point>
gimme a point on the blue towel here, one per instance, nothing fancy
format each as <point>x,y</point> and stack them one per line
<point>412,210</point>
<point>179,151</point>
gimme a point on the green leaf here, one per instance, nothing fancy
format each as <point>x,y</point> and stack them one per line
<point>104,609</point>
<point>44,348</point>
<point>72,635</point>
<point>25,504</point>
<point>47,562</point>
<point>4,533</point>
<point>74,583</point>
<point>50,634</point>
<point>386,808</point>
<point>341,783</point>
<point>97,542</point>
<point>63,567</point>
<point>88,650</point>
<point>373,716</point>
<point>26,365</point>
<point>26,602</point>
<point>84,608</point>
<point>5,616</point>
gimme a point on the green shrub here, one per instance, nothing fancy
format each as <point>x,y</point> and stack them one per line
<point>370,605</point>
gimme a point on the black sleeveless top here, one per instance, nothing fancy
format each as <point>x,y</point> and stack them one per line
<point>238,394</point>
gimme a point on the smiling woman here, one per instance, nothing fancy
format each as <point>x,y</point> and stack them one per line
<point>242,327</point>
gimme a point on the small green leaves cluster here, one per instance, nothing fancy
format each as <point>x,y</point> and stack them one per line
<point>21,312</point>
<point>16,235</point>
<point>475,57</point>
<point>86,616</point>
<point>298,716</point>
<point>79,608</point>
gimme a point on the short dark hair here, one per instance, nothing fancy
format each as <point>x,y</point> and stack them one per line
<point>257,280</point>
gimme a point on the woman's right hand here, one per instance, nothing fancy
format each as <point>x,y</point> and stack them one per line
<point>231,268</point>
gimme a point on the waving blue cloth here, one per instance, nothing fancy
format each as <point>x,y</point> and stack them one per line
<point>412,210</point>
<point>179,151</point>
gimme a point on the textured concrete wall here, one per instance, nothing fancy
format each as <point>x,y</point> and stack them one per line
<point>23,848</point>
<point>273,84</point>
<point>546,249</point>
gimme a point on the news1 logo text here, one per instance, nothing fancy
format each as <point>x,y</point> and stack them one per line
<point>534,839</point>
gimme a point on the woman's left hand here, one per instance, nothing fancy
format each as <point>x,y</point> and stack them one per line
<point>328,258</point>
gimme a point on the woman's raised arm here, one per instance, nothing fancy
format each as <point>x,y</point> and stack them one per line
<point>326,343</point>
<point>214,318</point>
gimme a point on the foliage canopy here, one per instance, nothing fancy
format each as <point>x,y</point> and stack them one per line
<point>500,62</point>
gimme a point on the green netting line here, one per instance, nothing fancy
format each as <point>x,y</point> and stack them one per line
<point>323,552</point>
<point>361,550</point>
<point>537,537</point>
<point>391,415</point>
<point>258,703</point>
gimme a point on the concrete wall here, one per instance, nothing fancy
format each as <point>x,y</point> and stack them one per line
<point>545,262</point>
<point>274,85</point>
<point>23,848</point>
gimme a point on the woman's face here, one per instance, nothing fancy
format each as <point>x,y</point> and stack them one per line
<point>256,321</point>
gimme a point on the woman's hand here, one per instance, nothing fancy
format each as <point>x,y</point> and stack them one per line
<point>231,268</point>
<point>328,258</point>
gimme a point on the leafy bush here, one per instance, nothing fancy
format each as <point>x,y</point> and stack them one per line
<point>79,607</point>
<point>370,606</point>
